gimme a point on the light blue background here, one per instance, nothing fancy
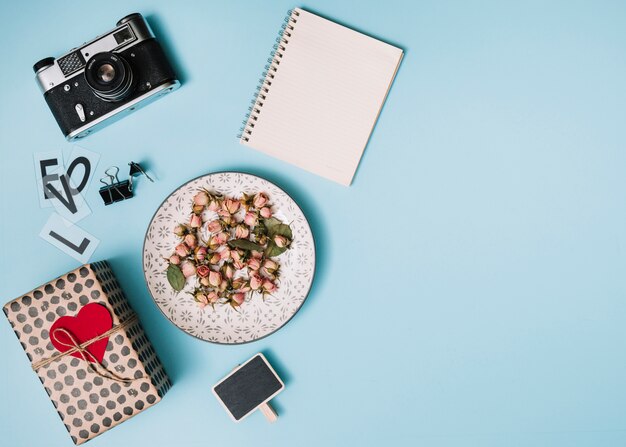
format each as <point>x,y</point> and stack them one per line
<point>471,282</point>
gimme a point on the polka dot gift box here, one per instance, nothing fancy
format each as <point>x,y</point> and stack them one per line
<point>89,350</point>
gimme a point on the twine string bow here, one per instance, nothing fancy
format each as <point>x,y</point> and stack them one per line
<point>81,348</point>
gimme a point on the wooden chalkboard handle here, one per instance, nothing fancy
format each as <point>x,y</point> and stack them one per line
<point>268,412</point>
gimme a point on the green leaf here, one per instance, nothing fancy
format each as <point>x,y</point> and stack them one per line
<point>175,277</point>
<point>245,244</point>
<point>276,227</point>
<point>274,250</point>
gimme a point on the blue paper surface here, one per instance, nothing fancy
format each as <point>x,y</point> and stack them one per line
<point>471,282</point>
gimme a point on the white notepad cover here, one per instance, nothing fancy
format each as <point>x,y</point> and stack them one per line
<point>321,96</point>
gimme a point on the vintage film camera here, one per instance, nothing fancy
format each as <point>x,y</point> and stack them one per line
<point>106,78</point>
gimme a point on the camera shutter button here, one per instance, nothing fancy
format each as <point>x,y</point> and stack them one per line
<point>80,110</point>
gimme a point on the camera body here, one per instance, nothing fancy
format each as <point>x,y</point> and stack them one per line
<point>106,78</point>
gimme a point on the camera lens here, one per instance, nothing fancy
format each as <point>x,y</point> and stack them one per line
<point>109,76</point>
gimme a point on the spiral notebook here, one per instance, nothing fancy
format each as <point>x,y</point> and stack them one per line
<point>320,96</point>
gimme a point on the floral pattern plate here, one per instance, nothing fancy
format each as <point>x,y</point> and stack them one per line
<point>255,318</point>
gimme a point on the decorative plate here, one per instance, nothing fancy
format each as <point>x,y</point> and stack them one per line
<point>257,318</point>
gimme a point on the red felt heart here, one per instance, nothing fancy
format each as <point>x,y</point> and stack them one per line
<point>91,321</point>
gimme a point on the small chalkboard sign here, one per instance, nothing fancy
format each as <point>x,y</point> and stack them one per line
<point>248,387</point>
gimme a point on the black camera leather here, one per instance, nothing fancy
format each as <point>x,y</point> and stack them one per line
<point>149,65</point>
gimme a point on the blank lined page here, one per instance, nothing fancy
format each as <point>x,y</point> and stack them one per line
<point>323,101</point>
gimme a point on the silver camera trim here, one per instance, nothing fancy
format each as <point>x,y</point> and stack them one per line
<point>50,76</point>
<point>129,107</point>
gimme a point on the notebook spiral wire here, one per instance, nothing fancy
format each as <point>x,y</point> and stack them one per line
<point>265,82</point>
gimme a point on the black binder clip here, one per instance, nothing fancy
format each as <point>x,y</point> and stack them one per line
<point>136,169</point>
<point>115,191</point>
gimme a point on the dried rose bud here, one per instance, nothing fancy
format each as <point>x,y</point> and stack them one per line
<point>214,226</point>
<point>269,286</point>
<point>201,300</point>
<point>213,243</point>
<point>214,205</point>
<point>215,278</point>
<point>212,297</point>
<point>197,209</point>
<point>225,254</point>
<point>174,259</point>
<point>270,265</point>
<point>239,265</point>
<point>236,255</point>
<point>228,271</point>
<point>260,200</point>
<point>215,258</point>
<point>262,239</point>
<point>256,254</point>
<point>202,199</point>
<point>188,268</point>
<point>241,231</point>
<point>205,282</point>
<point>222,237</point>
<point>230,205</point>
<point>191,240</point>
<point>281,241</point>
<point>195,221</point>
<point>180,230</point>
<point>266,212</point>
<point>238,298</point>
<point>182,250</point>
<point>254,264</point>
<point>223,285</point>
<point>200,253</point>
<point>251,219</point>
<point>256,281</point>
<point>238,283</point>
<point>202,271</point>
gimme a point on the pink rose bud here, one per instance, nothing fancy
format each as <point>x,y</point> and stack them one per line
<point>190,240</point>
<point>260,200</point>
<point>254,264</point>
<point>215,258</point>
<point>213,243</point>
<point>228,271</point>
<point>222,237</point>
<point>180,230</point>
<point>269,286</point>
<point>265,212</point>
<point>182,250</point>
<point>239,298</point>
<point>214,205</point>
<point>225,254</point>
<point>239,265</point>
<point>231,205</point>
<point>250,219</point>
<point>212,297</point>
<point>174,259</point>
<point>202,271</point>
<point>195,221</point>
<point>223,285</point>
<point>214,226</point>
<point>256,254</point>
<point>281,241</point>
<point>256,282</point>
<point>202,298</point>
<point>205,282</point>
<point>238,283</point>
<point>241,231</point>
<point>201,199</point>
<point>188,269</point>
<point>236,255</point>
<point>200,253</point>
<point>215,278</point>
<point>270,265</point>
